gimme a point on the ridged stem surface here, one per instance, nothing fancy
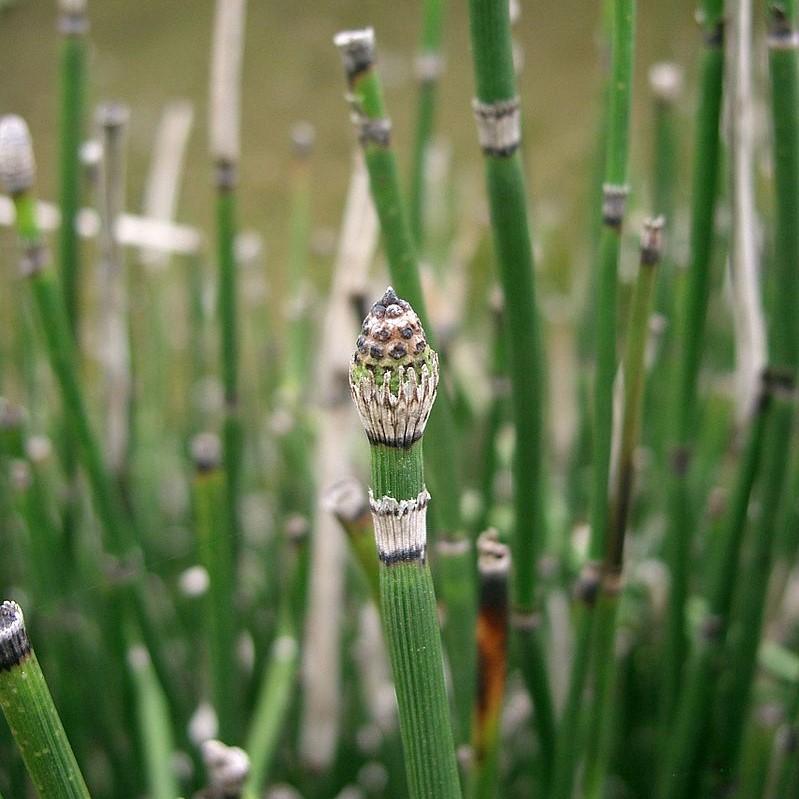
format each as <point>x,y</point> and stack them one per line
<point>496,83</point>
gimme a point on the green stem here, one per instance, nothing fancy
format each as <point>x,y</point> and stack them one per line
<point>428,66</point>
<point>784,353</point>
<point>73,79</point>
<point>216,555</point>
<point>495,105</point>
<point>602,718</point>
<point>347,500</point>
<point>614,198</point>
<point>374,129</point>
<point>232,439</point>
<point>394,416</point>
<point>154,725</point>
<point>688,349</point>
<point>31,714</point>
<point>358,51</point>
<point>683,756</point>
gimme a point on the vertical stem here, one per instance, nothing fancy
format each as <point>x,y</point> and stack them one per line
<point>73,26</point>
<point>374,129</point>
<point>428,71</point>
<point>498,116</point>
<point>225,145</point>
<point>614,194</point>
<point>216,555</point>
<point>114,333</point>
<point>683,757</point>
<point>603,711</point>
<point>393,381</point>
<point>784,352</point>
<point>154,725</point>
<point>688,348</point>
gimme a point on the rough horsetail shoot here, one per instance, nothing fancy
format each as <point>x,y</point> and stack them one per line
<point>398,400</point>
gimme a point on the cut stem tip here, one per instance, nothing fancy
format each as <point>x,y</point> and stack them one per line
<point>14,643</point>
<point>357,49</point>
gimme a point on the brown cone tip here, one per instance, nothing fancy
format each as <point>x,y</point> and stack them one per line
<point>391,336</point>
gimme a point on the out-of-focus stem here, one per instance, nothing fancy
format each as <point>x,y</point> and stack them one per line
<point>428,71</point>
<point>689,337</point>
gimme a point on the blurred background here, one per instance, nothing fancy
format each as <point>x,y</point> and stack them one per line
<point>147,53</point>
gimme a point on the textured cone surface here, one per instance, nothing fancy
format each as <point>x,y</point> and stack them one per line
<point>391,336</point>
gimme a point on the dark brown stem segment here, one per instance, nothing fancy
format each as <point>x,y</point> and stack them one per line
<point>493,567</point>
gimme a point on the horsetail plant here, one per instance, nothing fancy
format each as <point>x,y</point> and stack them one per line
<point>17,174</point>
<point>428,66</point>
<point>278,681</point>
<point>224,124</point>
<point>603,714</point>
<point>614,198</point>
<point>493,568</point>
<point>688,345</point>
<point>393,380</point>
<point>73,26</point>
<point>216,555</point>
<point>783,41</point>
<point>374,132</point>
<point>31,714</point>
<point>498,116</point>
<point>685,754</point>
<point>113,119</point>
<point>155,732</point>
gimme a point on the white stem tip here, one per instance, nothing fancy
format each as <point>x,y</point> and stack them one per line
<point>17,164</point>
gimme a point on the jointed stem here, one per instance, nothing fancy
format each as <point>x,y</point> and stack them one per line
<point>497,104</point>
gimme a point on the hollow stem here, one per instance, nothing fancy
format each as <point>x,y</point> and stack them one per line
<point>32,715</point>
